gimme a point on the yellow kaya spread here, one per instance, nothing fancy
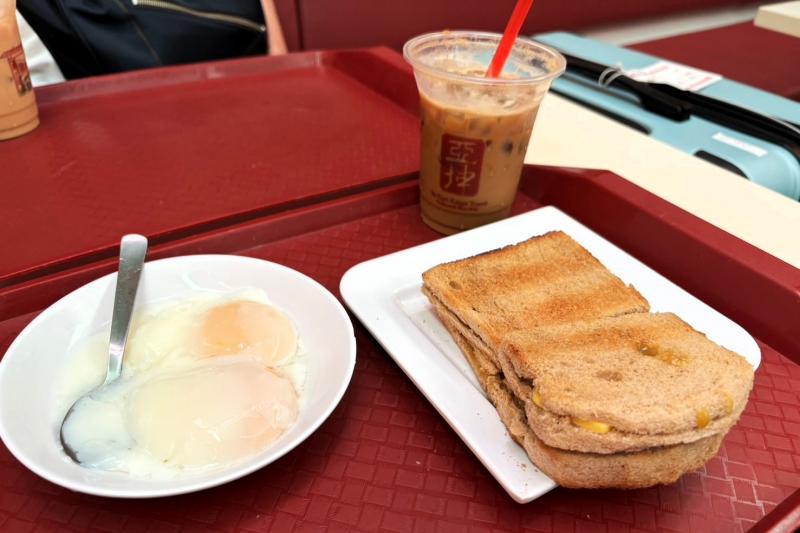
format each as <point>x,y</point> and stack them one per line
<point>537,399</point>
<point>594,426</point>
<point>728,402</point>
<point>666,355</point>
<point>702,418</point>
<point>590,425</point>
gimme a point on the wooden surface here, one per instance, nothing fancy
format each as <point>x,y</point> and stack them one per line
<point>783,17</point>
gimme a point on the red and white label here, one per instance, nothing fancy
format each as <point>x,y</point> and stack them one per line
<point>675,74</point>
<point>19,68</point>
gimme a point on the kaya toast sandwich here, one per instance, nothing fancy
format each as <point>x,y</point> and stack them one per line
<point>571,469</point>
<point>576,448</point>
<point>625,383</point>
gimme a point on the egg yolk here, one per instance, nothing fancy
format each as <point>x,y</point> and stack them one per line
<point>250,328</point>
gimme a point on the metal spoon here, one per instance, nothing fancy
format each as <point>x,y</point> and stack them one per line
<point>132,251</point>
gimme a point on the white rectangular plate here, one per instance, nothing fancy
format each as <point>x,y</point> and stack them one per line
<point>385,294</point>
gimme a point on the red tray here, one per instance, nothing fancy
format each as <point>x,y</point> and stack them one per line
<point>180,150</point>
<point>385,460</point>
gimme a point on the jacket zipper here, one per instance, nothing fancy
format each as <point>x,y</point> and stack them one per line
<point>242,22</point>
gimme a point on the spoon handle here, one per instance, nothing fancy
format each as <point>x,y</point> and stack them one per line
<point>132,250</point>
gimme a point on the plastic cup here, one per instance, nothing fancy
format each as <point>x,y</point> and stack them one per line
<point>18,111</point>
<point>475,130</point>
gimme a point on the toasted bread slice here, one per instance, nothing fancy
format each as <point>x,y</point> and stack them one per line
<point>658,465</point>
<point>646,375</point>
<point>559,431</point>
<point>543,281</point>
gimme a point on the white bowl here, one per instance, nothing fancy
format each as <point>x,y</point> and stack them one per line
<point>35,362</point>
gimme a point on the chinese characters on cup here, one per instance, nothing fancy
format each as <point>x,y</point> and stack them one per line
<point>461,163</point>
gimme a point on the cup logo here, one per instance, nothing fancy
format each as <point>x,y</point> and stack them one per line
<point>460,165</point>
<point>19,68</point>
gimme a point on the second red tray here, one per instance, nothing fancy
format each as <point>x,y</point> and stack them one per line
<point>179,150</point>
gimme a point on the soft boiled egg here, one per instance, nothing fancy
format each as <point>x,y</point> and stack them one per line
<point>212,414</point>
<point>206,382</point>
<point>207,327</point>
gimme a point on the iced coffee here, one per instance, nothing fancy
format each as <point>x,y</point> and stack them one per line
<point>18,112</point>
<point>475,130</point>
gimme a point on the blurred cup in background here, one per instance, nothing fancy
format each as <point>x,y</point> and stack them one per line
<point>18,111</point>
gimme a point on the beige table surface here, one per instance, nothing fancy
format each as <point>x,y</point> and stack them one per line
<point>567,134</point>
<point>783,17</point>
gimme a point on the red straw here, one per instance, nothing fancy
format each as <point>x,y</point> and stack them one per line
<point>509,36</point>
